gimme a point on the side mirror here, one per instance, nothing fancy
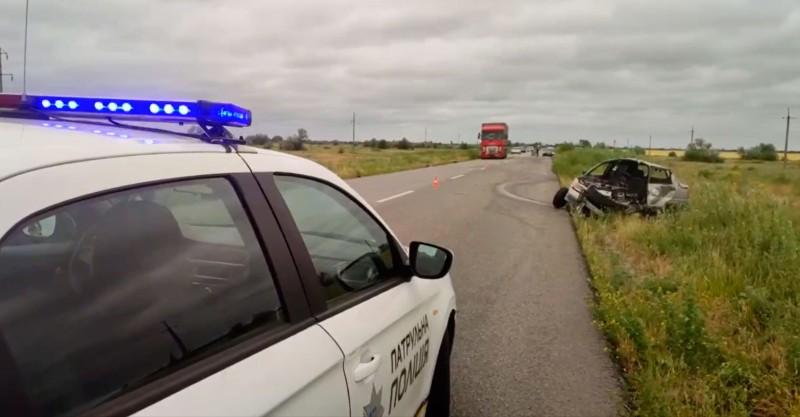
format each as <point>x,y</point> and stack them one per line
<point>430,261</point>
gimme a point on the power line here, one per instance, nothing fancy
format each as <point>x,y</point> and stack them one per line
<point>786,144</point>
<point>354,128</point>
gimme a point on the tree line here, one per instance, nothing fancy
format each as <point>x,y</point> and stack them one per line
<point>699,150</point>
<point>298,141</point>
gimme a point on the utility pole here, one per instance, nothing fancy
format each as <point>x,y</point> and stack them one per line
<point>354,128</point>
<point>3,74</point>
<point>25,56</point>
<point>786,144</point>
<point>691,138</point>
<point>650,146</point>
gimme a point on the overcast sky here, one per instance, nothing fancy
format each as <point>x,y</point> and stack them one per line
<point>554,70</point>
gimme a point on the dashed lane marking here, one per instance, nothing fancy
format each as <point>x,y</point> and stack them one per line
<point>392,197</point>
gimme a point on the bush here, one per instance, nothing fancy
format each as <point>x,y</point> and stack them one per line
<point>404,144</point>
<point>292,144</point>
<point>702,155</point>
<point>257,139</point>
<point>700,151</point>
<point>564,147</point>
<point>463,146</point>
<point>638,150</point>
<point>382,144</point>
<point>762,152</point>
<point>672,154</point>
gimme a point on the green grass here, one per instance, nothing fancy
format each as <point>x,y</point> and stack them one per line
<point>351,162</point>
<point>702,305</point>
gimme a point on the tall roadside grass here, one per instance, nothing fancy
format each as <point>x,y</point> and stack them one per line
<point>702,305</point>
<point>351,162</point>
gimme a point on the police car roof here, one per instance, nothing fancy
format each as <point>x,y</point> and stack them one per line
<point>27,144</point>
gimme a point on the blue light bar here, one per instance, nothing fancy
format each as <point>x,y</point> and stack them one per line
<point>206,112</point>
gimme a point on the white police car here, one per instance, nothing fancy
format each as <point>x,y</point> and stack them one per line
<point>151,273</point>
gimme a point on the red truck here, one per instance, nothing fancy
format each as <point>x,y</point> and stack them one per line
<point>494,140</point>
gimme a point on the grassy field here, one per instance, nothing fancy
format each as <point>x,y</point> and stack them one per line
<point>359,161</point>
<point>793,156</point>
<point>702,306</point>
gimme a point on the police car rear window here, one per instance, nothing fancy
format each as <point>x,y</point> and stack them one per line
<point>101,295</point>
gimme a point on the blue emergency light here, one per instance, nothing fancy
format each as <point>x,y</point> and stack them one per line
<point>205,112</point>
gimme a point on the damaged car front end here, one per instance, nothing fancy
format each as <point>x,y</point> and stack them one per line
<point>625,186</point>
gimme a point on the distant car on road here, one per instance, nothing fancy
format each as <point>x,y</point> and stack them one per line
<point>548,152</point>
<point>156,272</point>
<point>516,151</point>
<point>623,185</point>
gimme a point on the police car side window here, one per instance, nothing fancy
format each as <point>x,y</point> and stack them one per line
<point>139,283</point>
<point>349,249</point>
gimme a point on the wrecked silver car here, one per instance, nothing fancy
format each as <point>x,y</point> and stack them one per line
<point>625,186</point>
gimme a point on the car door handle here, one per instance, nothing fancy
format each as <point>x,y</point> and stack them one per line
<point>366,369</point>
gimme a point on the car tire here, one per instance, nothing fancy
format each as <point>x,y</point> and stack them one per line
<point>560,200</point>
<point>439,396</point>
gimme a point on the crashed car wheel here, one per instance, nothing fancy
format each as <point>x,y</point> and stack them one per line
<point>559,200</point>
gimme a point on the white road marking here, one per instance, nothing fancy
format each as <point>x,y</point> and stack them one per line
<point>502,190</point>
<point>457,177</point>
<point>395,196</point>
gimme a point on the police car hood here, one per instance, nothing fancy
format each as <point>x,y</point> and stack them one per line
<point>27,145</point>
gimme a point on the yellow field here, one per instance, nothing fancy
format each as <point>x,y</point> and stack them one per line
<point>793,156</point>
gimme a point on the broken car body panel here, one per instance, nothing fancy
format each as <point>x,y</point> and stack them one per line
<point>626,185</point>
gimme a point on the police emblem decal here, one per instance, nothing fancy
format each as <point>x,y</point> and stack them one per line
<point>374,408</point>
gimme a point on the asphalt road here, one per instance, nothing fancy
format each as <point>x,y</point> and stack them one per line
<point>525,343</point>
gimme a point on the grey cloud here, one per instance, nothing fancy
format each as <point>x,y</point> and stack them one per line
<point>554,70</point>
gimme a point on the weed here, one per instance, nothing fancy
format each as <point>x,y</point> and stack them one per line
<point>686,336</point>
<point>793,359</point>
<point>781,179</point>
<point>634,327</point>
<point>661,286</point>
<point>758,306</point>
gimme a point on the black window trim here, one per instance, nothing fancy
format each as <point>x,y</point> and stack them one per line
<point>286,280</point>
<point>302,257</point>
